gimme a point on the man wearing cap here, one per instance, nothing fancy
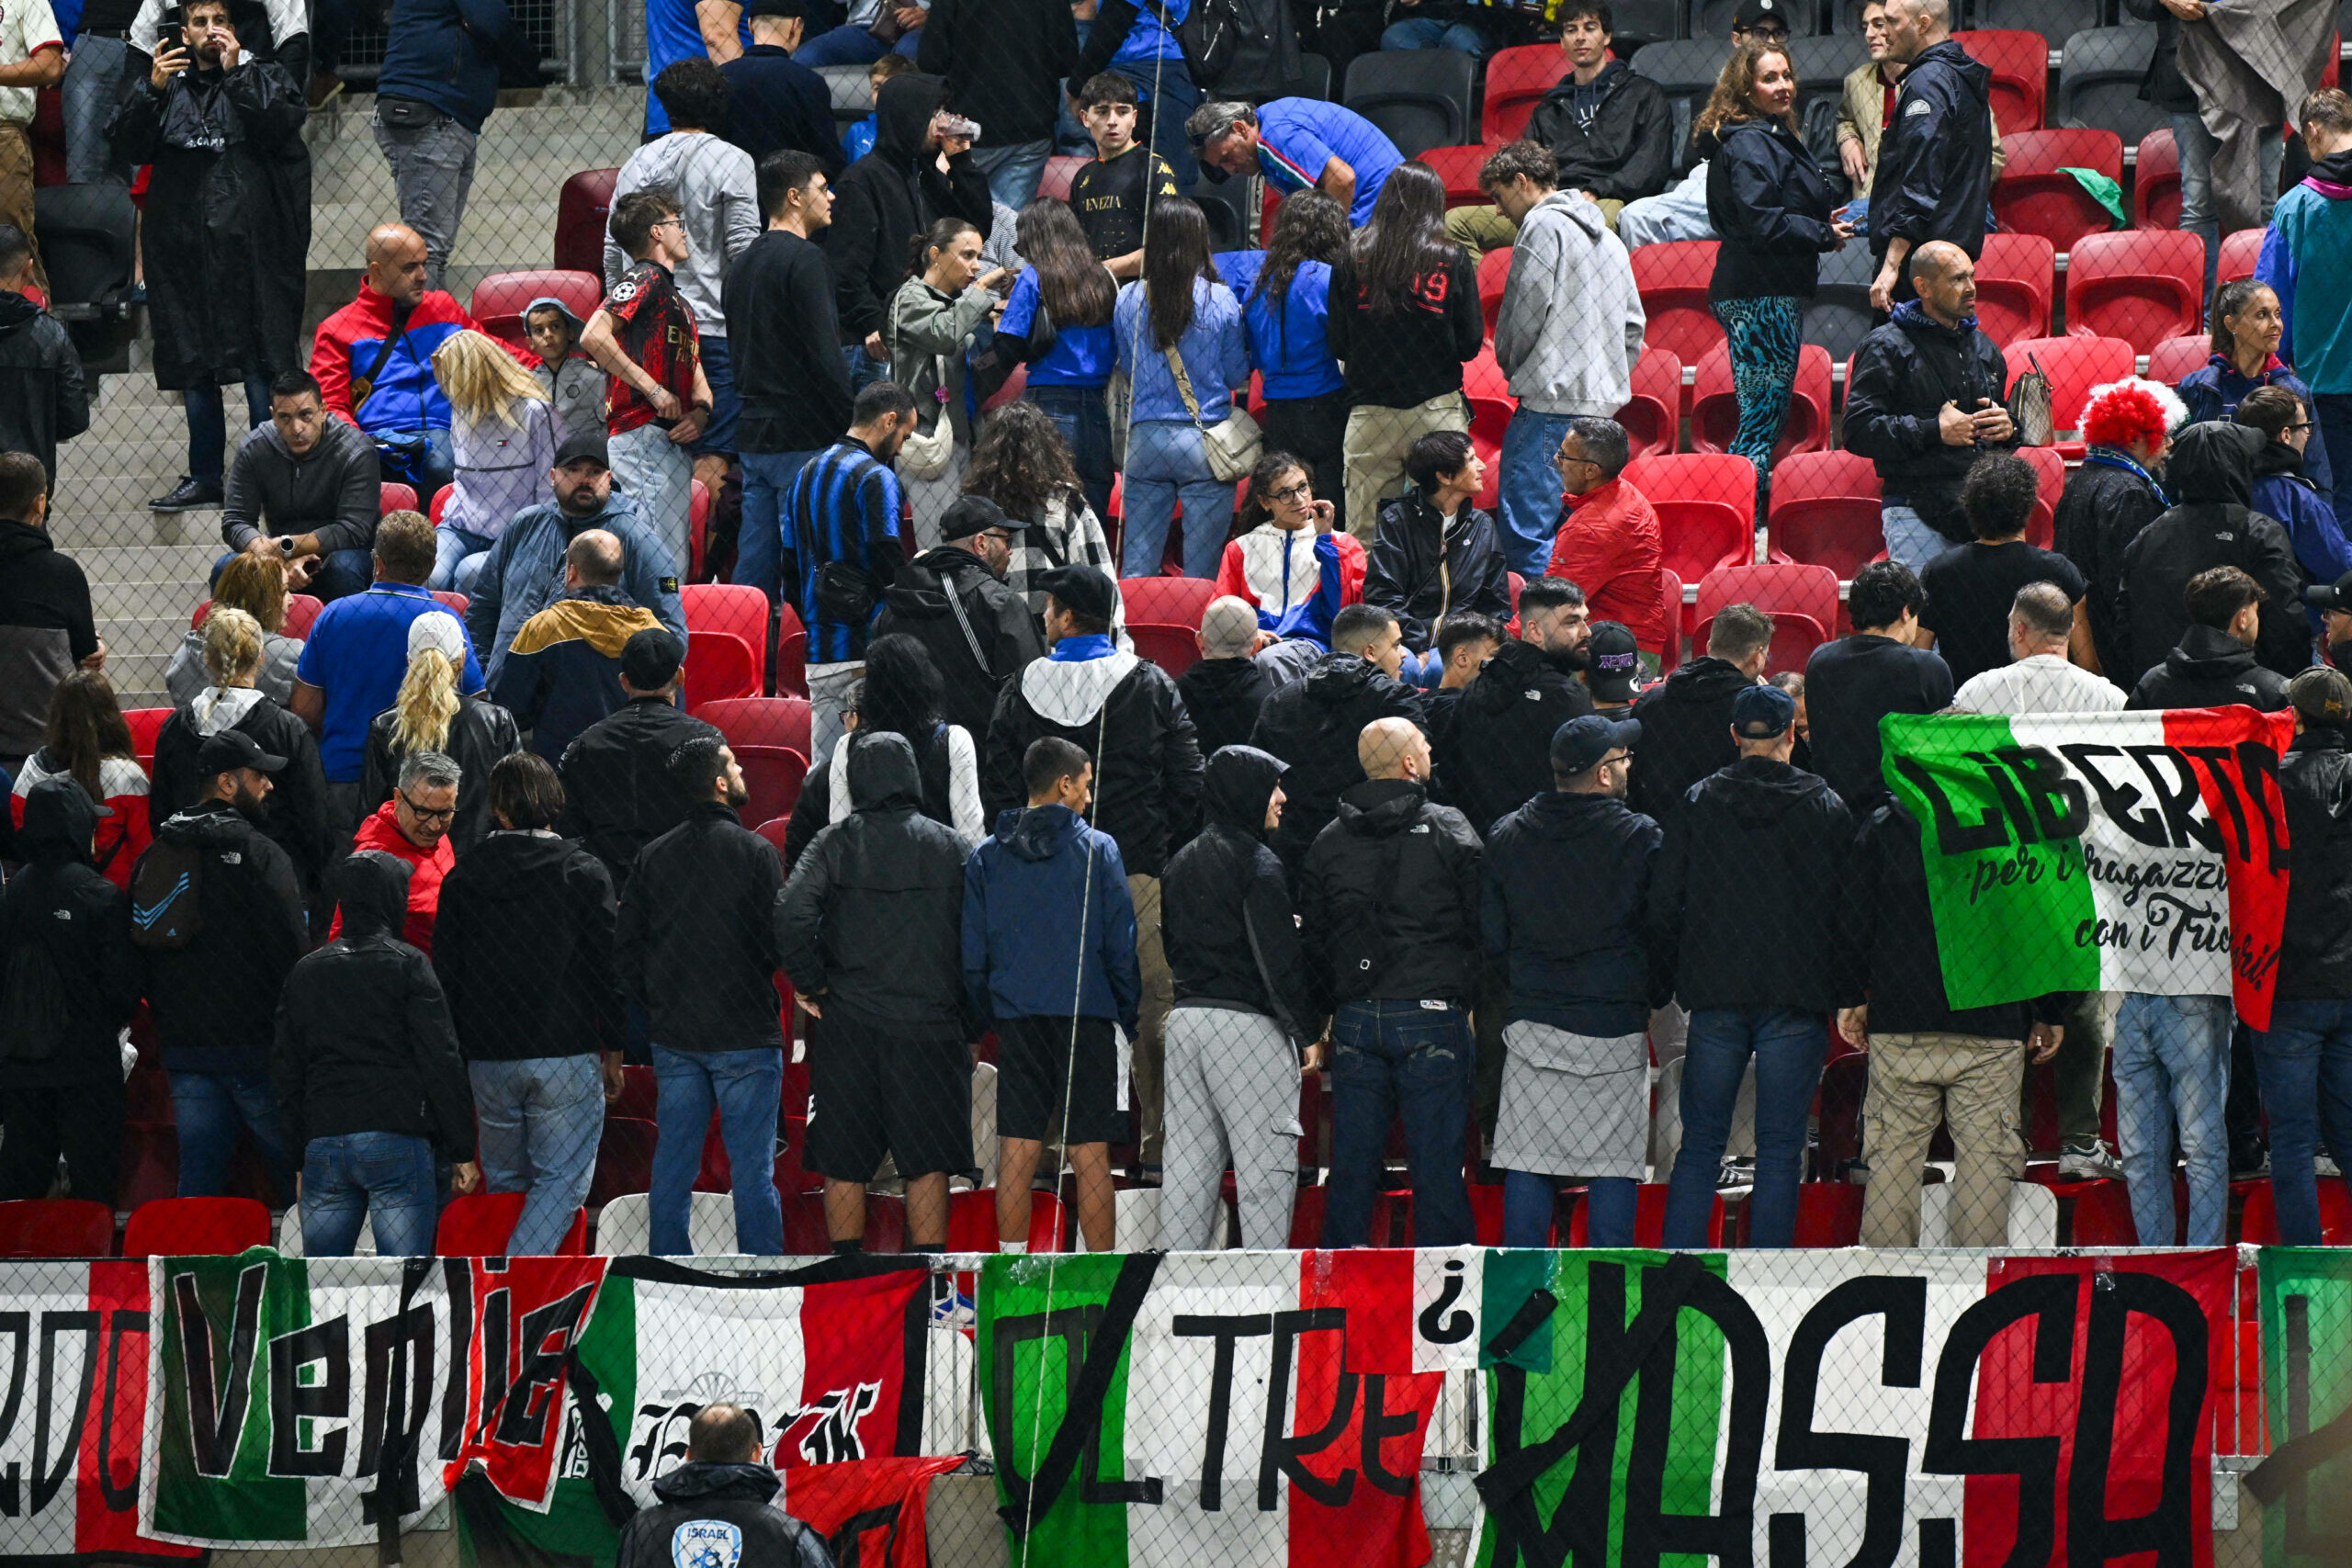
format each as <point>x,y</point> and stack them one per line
<point>953,600</point>
<point>617,793</point>
<point>305,488</point>
<point>1565,877</point>
<point>215,997</point>
<point>1612,670</point>
<point>2333,603</point>
<point>562,673</point>
<point>524,573</point>
<point>1756,989</point>
<point>1124,713</point>
<point>774,103</point>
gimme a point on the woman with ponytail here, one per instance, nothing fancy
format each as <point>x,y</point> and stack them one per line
<point>430,715</point>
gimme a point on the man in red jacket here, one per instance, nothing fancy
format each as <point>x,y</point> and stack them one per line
<point>1608,543</point>
<point>415,826</point>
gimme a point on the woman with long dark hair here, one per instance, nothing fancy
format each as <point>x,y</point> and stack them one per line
<point>1058,324</point>
<point>89,740</point>
<point>1023,463</point>
<point>901,694</point>
<point>2248,327</point>
<point>1285,293</point>
<point>1770,206</point>
<point>1178,315</point>
<point>932,317</point>
<point>1404,319</point>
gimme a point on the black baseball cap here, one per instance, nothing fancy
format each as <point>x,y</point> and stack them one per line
<point>1762,713</point>
<point>1752,12</point>
<point>975,514</point>
<point>1083,588</point>
<point>1579,743</point>
<point>2336,595</point>
<point>777,8</point>
<point>1616,663</point>
<point>589,445</point>
<point>228,749</point>
<point>649,659</point>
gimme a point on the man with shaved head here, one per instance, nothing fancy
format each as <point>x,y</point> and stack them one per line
<point>1388,905</point>
<point>562,672</point>
<point>718,1506</point>
<point>1312,723</point>
<point>1224,690</point>
<point>1934,179</point>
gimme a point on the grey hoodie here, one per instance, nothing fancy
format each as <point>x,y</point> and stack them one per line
<point>1571,324</point>
<point>711,180</point>
<point>331,491</point>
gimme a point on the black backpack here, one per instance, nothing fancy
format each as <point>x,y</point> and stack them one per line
<point>165,890</point>
<point>1237,49</point>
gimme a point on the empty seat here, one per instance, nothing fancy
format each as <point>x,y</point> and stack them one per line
<point>1671,279</point>
<point>624,1158</point>
<point>1314,77</point>
<point>1669,587</point>
<point>1839,315</point>
<point>2035,194</point>
<point>88,239</point>
<point>1494,272</point>
<point>2050,484</point>
<point>2014,286</point>
<point>1714,405</point>
<point>499,299</point>
<point>2075,364</point>
<point>2174,359</point>
<point>393,497</point>
<point>1706,508</point>
<point>1772,586</point>
<point>2020,66</point>
<point>2099,77</point>
<point>1174,648</point>
<point>2156,182</point>
<point>732,607</point>
<point>1686,71</point>
<point>2240,251</point>
<point>56,1227</point>
<point>1826,511</point>
<point>1653,420</point>
<point>2142,286</point>
<point>1419,97</point>
<point>1517,80</point>
<point>1060,170</point>
<point>582,209</point>
<point>773,775</point>
<point>478,1224</point>
<point>720,666</point>
<point>759,721</point>
<point>1166,600</point>
<point>971,1222</point>
<point>146,724</point>
<point>2055,20</point>
<point>195,1228</point>
<point>1458,167</point>
<point>625,1227</point>
<point>1829,1213</point>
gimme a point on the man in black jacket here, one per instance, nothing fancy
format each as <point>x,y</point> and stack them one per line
<point>1685,718</point>
<point>1850,684</point>
<point>69,981</point>
<point>2114,494</point>
<point>43,399</point>
<point>305,487</point>
<point>1388,903</point>
<point>617,793</point>
<point>870,929</point>
<point>1934,180</point>
<point>1314,723</point>
<point>695,947</point>
<point>775,104</point>
<point>952,599</point>
<point>1010,56</point>
<point>720,1507</point>
<point>2211,475</point>
<point>2214,665</point>
<point>1755,987</point>
<point>1246,1007</point>
<point>368,1076</point>
<point>1225,692</point>
<point>214,996</point>
<point>1925,399</point>
<point>46,630</point>
<point>1436,553</point>
<point>1494,752</point>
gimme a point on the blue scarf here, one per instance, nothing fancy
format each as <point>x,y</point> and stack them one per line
<point>2107,457</point>
<point>1911,313</point>
<point>1080,649</point>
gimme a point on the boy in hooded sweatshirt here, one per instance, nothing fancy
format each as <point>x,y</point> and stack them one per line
<point>1049,952</point>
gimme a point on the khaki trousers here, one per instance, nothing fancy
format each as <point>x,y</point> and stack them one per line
<point>1372,452</point>
<point>1482,229</point>
<point>1966,1080</point>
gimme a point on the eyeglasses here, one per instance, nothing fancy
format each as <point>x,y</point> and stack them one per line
<point>677,223</point>
<point>996,537</point>
<point>1562,460</point>
<point>2304,425</point>
<point>1299,492</point>
<point>425,813</point>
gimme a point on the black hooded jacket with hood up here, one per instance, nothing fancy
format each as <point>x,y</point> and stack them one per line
<point>215,1000</point>
<point>1225,905</point>
<point>1561,912</point>
<point>2211,669</point>
<point>364,1041</point>
<point>740,1497</point>
<point>2315,782</point>
<point>1002,624</point>
<point>872,922</point>
<point>1388,898</point>
<point>1744,894</point>
<point>888,196</point>
<point>2211,474</point>
<point>523,943</point>
<point>1312,724</point>
<point>43,397</point>
<point>59,901</point>
<point>1495,751</point>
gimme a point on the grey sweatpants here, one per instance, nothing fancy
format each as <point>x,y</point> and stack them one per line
<point>433,169</point>
<point>1232,1091</point>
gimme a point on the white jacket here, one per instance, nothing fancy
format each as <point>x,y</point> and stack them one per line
<point>1571,324</point>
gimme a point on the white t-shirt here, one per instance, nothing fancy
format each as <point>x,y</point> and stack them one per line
<point>26,28</point>
<point>2043,684</point>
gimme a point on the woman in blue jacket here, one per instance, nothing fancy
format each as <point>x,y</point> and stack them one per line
<point>1057,322</point>
<point>1285,294</point>
<point>2247,327</point>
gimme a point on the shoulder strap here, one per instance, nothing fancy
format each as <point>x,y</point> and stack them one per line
<point>366,385</point>
<point>1184,387</point>
<point>963,620</point>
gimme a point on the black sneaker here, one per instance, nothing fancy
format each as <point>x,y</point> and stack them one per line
<point>187,496</point>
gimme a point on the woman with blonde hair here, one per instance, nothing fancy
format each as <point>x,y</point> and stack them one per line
<point>256,584</point>
<point>432,714</point>
<point>294,814</point>
<point>89,740</point>
<point>502,438</point>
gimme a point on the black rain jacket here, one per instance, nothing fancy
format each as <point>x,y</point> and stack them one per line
<point>1225,905</point>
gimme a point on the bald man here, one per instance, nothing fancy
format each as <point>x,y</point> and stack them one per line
<point>1225,690</point>
<point>718,1507</point>
<point>374,361</point>
<point>562,672</point>
<point>1389,905</point>
<point>1934,179</point>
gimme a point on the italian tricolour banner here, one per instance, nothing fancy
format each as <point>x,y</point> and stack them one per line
<point>2117,851</point>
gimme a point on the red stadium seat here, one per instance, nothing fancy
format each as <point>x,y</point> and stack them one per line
<point>1307,1217</point>
<point>805,1235</point>
<point>2142,286</point>
<point>1826,511</point>
<point>759,721</point>
<point>1715,404</point>
<point>498,300</point>
<point>641,1094</point>
<point>2035,194</point>
<point>2020,66</point>
<point>2240,251</point>
<point>737,608</point>
<point>1483,378</point>
<point>1494,272</point>
<point>478,1224</point>
<point>2172,360</point>
<point>1458,167</point>
<point>2075,364</point>
<point>150,1164</point>
<point>2260,1225</point>
<point>1174,648</point>
<point>1775,586</point>
<point>193,1228</point>
<point>698,529</point>
<point>2155,183</point>
<point>395,498</point>
<point>56,1227</point>
<point>1672,279</point>
<point>1670,655</point>
<point>1166,600</point>
<point>1653,420</point>
<point>454,601</point>
<point>1794,637</point>
<point>440,504</point>
<point>1650,1218</point>
<point>1517,80</point>
<point>773,774</point>
<point>1829,1213</point>
<point>791,653</point>
<point>2014,286</point>
<point>2050,484</point>
<point>301,612</point>
<point>1059,172</point>
<point>971,1222</point>
<point>1706,508</point>
<point>1840,1096</point>
<point>720,665</point>
<point>146,724</point>
<point>2100,1216</point>
<point>774,831</point>
<point>623,1157</point>
<point>1489,421</point>
<point>582,209</point>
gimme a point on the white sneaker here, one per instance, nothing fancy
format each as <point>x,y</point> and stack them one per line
<point>2088,1161</point>
<point>2324,1165</point>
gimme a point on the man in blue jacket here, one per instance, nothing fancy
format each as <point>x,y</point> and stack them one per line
<point>438,83</point>
<point>1047,916</point>
<point>2284,491</point>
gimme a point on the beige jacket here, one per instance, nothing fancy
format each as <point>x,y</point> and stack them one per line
<point>1860,117</point>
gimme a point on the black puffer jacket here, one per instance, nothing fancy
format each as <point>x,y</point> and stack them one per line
<point>1780,838</point>
<point>1566,879</point>
<point>481,733</point>
<point>1388,898</point>
<point>2211,669</point>
<point>2212,472</point>
<point>1223,696</point>
<point>617,797</point>
<point>916,603</point>
<point>739,1498</point>
<point>2315,958</point>
<point>695,944</point>
<point>1904,373</point>
<point>2103,509</point>
<point>1313,725</point>
<point>1630,149</point>
<point>294,814</point>
<point>1686,734</point>
<point>1423,566</point>
<point>1256,963</point>
<point>215,1000</point>
<point>1935,163</point>
<point>60,902</point>
<point>1494,752</point>
<point>871,924</point>
<point>887,198</point>
<point>523,943</point>
<point>1769,206</point>
<point>364,1041</point>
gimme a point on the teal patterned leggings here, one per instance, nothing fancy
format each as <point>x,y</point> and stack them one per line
<point>1763,335</point>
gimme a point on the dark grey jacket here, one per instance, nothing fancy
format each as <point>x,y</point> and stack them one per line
<point>332,491</point>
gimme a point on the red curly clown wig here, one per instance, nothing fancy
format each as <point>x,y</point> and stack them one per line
<point>2132,411</point>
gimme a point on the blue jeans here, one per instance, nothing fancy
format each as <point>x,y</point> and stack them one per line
<point>1165,462</point>
<point>863,368</point>
<point>1788,1045</point>
<point>92,78</point>
<point>759,544</point>
<point>1910,539</point>
<point>208,1108</point>
<point>1392,1056</point>
<point>422,459</point>
<point>2304,1066</point>
<point>340,573</point>
<point>1179,99</point>
<point>1425,32</point>
<point>717,437</point>
<point>458,558</point>
<point>746,1088</point>
<point>1014,172</point>
<point>386,1178</point>
<point>537,1122</point>
<point>2172,1062</point>
<point>851,46</point>
<point>1529,1200</point>
<point>1084,420</point>
<point>1531,490</point>
<point>208,426</point>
